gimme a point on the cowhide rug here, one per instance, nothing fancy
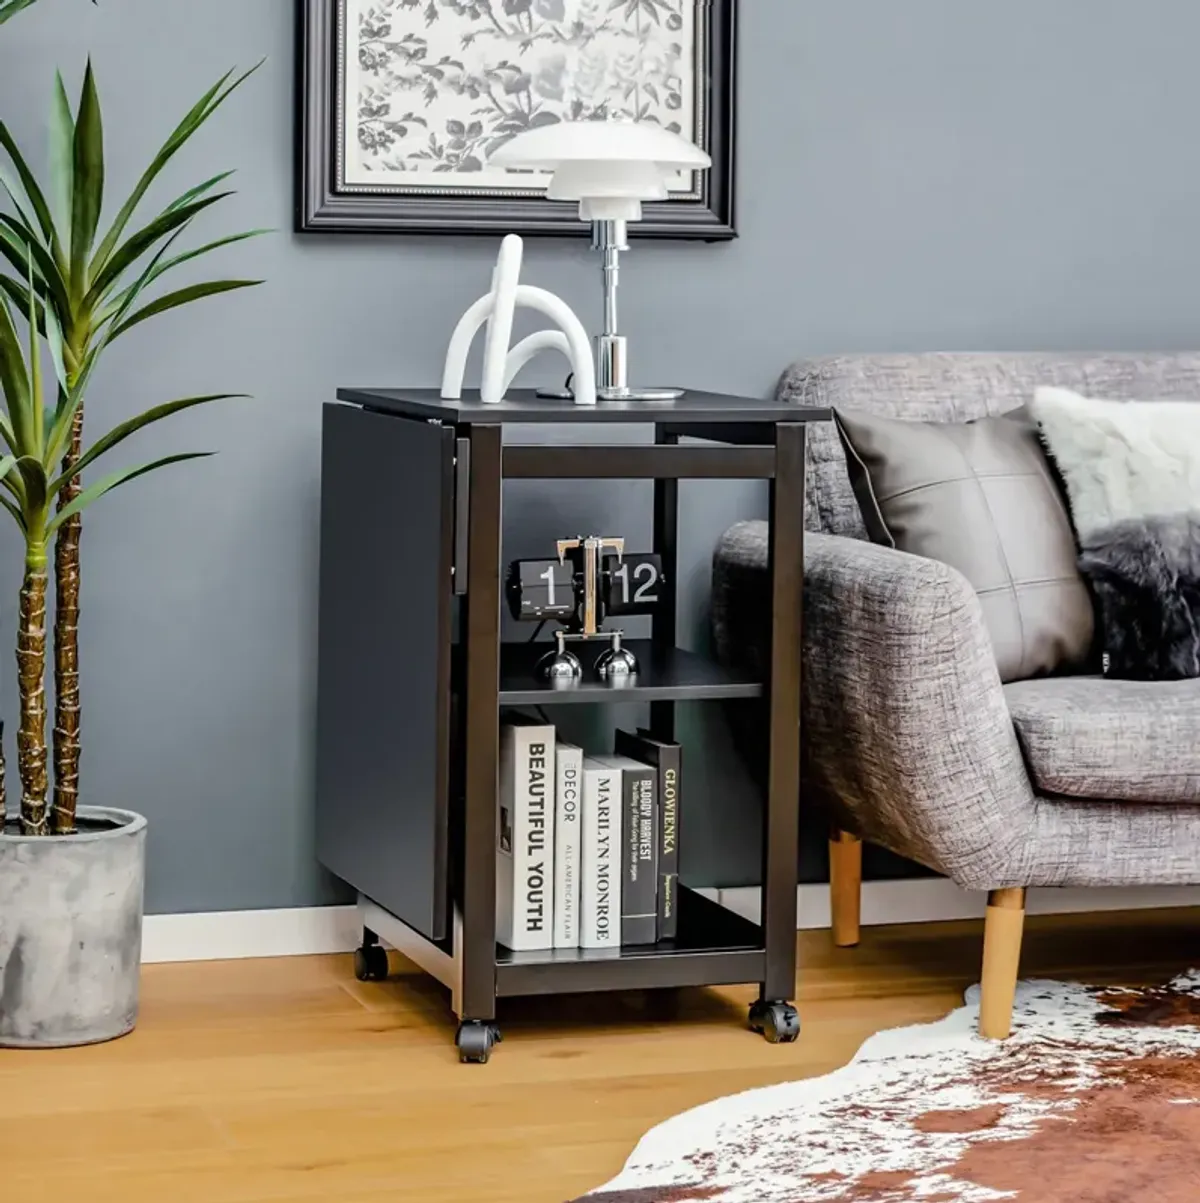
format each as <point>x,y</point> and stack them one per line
<point>1094,1099</point>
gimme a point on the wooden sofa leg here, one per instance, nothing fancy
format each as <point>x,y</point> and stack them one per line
<point>845,887</point>
<point>1001,961</point>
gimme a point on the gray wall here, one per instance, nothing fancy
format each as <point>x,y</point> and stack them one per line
<point>931,174</point>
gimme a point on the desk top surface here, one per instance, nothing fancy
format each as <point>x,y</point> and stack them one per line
<point>524,405</point>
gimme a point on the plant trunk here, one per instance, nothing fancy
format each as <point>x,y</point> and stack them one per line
<point>31,680</point>
<point>66,646</point>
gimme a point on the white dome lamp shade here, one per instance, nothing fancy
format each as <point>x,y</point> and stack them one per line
<point>610,168</point>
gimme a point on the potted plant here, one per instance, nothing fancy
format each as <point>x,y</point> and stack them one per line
<point>71,878</point>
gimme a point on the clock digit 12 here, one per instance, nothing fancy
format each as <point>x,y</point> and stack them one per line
<point>632,584</point>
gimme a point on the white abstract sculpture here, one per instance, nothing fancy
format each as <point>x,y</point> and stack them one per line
<point>500,363</point>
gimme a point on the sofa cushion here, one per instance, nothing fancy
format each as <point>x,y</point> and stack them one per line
<point>980,497</point>
<point>953,387</point>
<point>1106,740</point>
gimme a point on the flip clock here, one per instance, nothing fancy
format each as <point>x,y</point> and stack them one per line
<point>592,580</point>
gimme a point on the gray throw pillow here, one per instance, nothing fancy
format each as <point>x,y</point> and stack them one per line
<point>981,497</point>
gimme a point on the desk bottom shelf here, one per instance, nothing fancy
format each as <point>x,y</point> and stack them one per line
<point>715,947</point>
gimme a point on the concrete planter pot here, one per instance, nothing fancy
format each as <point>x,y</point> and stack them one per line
<point>71,932</point>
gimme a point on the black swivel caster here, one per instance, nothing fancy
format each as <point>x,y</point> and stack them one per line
<point>371,963</point>
<point>475,1041</point>
<point>778,1022</point>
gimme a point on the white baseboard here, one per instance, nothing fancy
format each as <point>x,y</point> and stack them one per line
<point>307,931</point>
<point>235,935</point>
<point>932,899</point>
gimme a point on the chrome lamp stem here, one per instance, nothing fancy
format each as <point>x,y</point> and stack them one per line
<point>612,348</point>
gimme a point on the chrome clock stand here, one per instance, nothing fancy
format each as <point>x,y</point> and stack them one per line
<point>562,668</point>
<point>560,665</point>
<point>618,662</point>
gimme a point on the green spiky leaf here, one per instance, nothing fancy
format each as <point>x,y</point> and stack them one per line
<point>196,116</point>
<point>199,190</point>
<point>108,483</point>
<point>62,159</point>
<point>10,8</point>
<point>87,195</point>
<point>20,202</point>
<point>15,251</point>
<point>36,389</point>
<point>46,272</point>
<point>37,199</point>
<point>184,296</point>
<point>138,244</point>
<point>36,484</point>
<point>54,340</point>
<point>187,256</point>
<point>64,414</point>
<point>14,244</point>
<point>120,433</point>
<point>17,516</point>
<point>177,260</point>
<point>14,380</point>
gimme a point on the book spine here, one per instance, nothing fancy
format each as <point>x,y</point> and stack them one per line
<point>525,867</point>
<point>639,910</point>
<point>505,833</point>
<point>667,830</point>
<point>600,882</point>
<point>567,845</point>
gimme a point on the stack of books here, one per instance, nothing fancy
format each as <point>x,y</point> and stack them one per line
<point>588,846</point>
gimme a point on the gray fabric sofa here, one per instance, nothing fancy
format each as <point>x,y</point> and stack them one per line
<point>910,740</point>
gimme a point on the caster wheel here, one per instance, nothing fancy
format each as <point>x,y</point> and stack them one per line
<point>475,1041</point>
<point>371,963</point>
<point>778,1022</point>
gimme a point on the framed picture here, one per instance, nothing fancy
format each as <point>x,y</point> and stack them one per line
<point>401,102</point>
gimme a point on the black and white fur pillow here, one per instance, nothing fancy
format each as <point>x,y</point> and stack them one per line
<point>1132,475</point>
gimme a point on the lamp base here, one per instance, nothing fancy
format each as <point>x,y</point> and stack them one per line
<point>639,394</point>
<point>615,394</point>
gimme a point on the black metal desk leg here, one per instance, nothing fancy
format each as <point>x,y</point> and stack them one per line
<point>666,545</point>
<point>782,835</point>
<point>482,739</point>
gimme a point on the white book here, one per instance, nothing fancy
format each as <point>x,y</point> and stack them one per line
<point>568,847</point>
<point>525,838</point>
<point>600,883</point>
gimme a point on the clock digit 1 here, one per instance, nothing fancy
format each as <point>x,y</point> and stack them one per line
<point>548,577</point>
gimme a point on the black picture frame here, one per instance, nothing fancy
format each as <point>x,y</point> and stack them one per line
<point>325,207</point>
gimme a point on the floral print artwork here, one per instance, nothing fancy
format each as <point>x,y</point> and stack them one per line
<point>434,87</point>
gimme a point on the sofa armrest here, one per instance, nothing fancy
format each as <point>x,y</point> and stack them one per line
<point>907,734</point>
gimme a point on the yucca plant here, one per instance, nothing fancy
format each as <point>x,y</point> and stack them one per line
<point>84,281</point>
<point>36,434</point>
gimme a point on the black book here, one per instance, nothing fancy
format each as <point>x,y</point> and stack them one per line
<point>667,761</point>
<point>639,856</point>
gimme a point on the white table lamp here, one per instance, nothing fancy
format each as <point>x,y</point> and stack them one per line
<point>610,168</point>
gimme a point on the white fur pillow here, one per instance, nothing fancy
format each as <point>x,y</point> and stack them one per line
<point>1121,460</point>
<point>1132,473</point>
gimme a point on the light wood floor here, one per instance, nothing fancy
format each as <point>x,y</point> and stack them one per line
<point>287,1080</point>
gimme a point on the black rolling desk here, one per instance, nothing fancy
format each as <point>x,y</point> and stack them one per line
<point>412,676</point>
